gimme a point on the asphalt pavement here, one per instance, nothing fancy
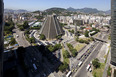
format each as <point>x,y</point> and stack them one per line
<point>20,39</point>
<point>82,70</point>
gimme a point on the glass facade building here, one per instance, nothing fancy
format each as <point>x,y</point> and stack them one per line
<point>113,32</point>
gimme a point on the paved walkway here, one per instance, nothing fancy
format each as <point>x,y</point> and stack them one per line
<point>61,53</point>
<point>107,65</point>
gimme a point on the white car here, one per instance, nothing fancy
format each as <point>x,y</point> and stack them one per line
<point>90,62</point>
<point>17,36</point>
<point>90,70</point>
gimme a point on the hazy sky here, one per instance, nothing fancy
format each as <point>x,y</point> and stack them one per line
<point>45,4</point>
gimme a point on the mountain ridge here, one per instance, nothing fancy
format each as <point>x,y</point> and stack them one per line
<point>59,10</point>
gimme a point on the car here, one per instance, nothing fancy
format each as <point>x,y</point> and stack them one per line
<point>17,36</point>
<point>72,70</point>
<point>90,70</point>
<point>44,75</point>
<point>75,70</point>
<point>90,62</point>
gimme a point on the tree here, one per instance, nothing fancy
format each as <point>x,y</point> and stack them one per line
<point>21,28</point>
<point>63,67</point>
<point>39,17</point>
<point>58,46</point>
<point>91,24</point>
<point>42,37</point>
<point>109,37</point>
<point>87,42</point>
<point>54,48</point>
<point>86,33</point>
<point>77,38</point>
<point>27,32</point>
<point>25,25</point>
<point>51,48</point>
<point>109,71</point>
<point>58,37</point>
<point>72,31</point>
<point>74,52</point>
<point>96,63</point>
<point>71,48</point>
<point>82,28</point>
<point>92,39</point>
<point>81,40</point>
<point>12,42</point>
<point>95,74</point>
<point>66,54</point>
<point>9,26</point>
<point>94,29</point>
<point>32,40</point>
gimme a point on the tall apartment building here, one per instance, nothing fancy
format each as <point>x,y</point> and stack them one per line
<point>113,32</point>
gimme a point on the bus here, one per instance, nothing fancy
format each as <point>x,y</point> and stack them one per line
<point>88,66</point>
<point>80,63</point>
<point>68,74</point>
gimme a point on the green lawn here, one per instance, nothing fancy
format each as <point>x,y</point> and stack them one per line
<point>65,59</point>
<point>79,46</point>
<point>99,71</point>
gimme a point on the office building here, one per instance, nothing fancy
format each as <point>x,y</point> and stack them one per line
<point>113,32</point>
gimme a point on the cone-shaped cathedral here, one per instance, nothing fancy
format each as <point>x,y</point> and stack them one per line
<point>51,27</point>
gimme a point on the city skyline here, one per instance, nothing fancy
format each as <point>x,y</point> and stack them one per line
<point>104,5</point>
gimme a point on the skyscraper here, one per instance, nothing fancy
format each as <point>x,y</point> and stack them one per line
<point>1,37</point>
<point>113,32</point>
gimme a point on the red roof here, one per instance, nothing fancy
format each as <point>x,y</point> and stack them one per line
<point>88,28</point>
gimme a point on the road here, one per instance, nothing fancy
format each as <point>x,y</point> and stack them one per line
<point>33,56</point>
<point>20,39</point>
<point>102,37</point>
<point>82,70</point>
